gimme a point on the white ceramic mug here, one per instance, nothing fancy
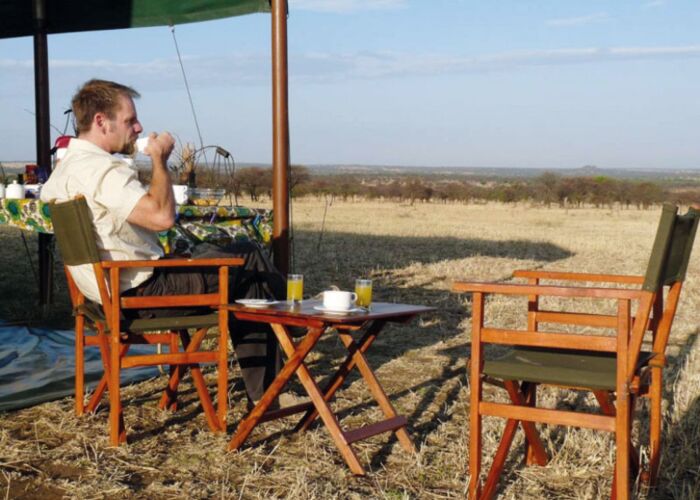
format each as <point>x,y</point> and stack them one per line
<point>337,300</point>
<point>180,192</point>
<point>14,191</point>
<point>141,144</point>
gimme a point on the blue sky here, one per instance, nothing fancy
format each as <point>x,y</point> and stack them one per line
<point>552,83</point>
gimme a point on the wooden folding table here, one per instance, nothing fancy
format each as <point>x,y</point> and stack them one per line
<point>363,324</point>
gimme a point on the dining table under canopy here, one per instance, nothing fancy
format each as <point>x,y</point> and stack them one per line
<point>40,18</point>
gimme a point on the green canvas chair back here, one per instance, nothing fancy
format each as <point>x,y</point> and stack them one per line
<point>72,225</point>
<point>672,246</point>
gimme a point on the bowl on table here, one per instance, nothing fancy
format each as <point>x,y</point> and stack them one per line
<point>206,197</point>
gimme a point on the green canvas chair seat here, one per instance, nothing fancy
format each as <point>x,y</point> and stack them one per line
<point>94,312</point>
<point>558,367</point>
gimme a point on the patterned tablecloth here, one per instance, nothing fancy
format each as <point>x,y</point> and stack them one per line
<point>220,225</point>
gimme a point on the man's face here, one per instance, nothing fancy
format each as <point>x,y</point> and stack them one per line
<point>125,128</point>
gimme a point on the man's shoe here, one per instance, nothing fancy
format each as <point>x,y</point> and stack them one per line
<point>287,399</point>
<point>275,405</point>
<point>284,400</point>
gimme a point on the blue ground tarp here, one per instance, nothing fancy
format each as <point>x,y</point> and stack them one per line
<point>38,365</point>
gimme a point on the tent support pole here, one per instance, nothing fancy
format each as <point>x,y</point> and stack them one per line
<point>43,139</point>
<point>280,137</point>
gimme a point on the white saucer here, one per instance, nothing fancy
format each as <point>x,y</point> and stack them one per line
<point>338,311</point>
<point>256,302</point>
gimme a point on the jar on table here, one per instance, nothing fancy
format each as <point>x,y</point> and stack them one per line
<point>14,191</point>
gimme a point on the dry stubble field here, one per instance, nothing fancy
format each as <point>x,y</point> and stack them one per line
<point>413,253</point>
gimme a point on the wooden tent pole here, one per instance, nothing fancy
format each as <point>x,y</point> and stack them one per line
<point>41,87</point>
<point>43,138</point>
<point>280,136</point>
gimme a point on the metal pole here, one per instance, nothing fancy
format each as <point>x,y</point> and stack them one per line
<point>43,139</point>
<point>280,137</point>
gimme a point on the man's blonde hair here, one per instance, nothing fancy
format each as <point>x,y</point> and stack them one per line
<point>98,96</point>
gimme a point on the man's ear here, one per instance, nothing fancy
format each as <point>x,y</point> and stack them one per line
<point>100,121</point>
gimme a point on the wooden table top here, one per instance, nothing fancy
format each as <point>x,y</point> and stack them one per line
<point>308,309</point>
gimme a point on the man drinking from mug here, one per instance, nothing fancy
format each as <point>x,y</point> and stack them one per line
<point>127,216</point>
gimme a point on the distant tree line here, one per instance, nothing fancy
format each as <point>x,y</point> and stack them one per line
<point>548,189</point>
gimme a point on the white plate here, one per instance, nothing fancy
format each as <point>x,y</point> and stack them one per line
<point>256,302</point>
<point>338,311</point>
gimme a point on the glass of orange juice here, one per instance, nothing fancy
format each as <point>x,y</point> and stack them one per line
<point>295,288</point>
<point>363,289</point>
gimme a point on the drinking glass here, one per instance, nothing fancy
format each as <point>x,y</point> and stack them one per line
<point>363,289</point>
<point>295,288</point>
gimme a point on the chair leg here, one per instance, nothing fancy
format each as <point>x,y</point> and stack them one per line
<point>79,364</point>
<point>532,454</point>
<point>475,439</point>
<point>499,459</point>
<point>103,385</point>
<point>168,400</point>
<point>655,422</point>
<point>535,445</point>
<point>117,431</point>
<point>622,443</point>
<point>198,379</point>
<point>634,463</point>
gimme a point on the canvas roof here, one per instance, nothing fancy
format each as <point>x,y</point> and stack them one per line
<point>65,16</point>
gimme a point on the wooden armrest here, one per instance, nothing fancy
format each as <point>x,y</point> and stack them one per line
<point>232,261</point>
<point>154,301</point>
<point>554,291</point>
<point>560,275</point>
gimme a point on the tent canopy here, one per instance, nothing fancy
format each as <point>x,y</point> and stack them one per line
<point>64,16</point>
<point>39,18</point>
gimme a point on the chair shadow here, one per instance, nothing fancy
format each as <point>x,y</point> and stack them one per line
<point>379,256</point>
<point>680,442</point>
<point>377,252</point>
<point>680,461</point>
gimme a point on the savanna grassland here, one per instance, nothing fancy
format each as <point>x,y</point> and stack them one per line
<point>413,253</point>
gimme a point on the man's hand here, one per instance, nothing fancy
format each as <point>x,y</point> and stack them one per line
<point>156,209</point>
<point>160,145</point>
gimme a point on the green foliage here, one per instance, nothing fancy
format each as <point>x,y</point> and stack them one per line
<point>547,189</point>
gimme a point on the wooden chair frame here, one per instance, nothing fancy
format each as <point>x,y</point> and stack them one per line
<point>637,374</point>
<point>114,336</point>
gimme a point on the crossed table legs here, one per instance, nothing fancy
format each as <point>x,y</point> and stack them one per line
<point>296,353</point>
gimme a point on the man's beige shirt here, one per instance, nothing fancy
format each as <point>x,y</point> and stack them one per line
<point>111,189</point>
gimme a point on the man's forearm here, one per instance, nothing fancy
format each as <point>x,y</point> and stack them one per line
<point>156,209</point>
<point>161,189</point>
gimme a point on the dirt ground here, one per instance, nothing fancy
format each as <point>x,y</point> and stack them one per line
<point>413,254</point>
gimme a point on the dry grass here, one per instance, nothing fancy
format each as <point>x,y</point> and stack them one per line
<point>413,253</point>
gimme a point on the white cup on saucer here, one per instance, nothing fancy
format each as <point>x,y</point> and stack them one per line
<point>337,300</point>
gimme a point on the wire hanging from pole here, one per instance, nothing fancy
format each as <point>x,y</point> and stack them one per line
<point>189,94</point>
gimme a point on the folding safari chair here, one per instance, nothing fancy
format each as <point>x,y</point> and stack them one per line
<point>614,368</point>
<point>103,325</point>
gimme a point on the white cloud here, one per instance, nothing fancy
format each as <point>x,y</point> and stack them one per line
<point>341,6</point>
<point>326,67</point>
<point>320,67</point>
<point>654,4</point>
<point>578,21</point>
